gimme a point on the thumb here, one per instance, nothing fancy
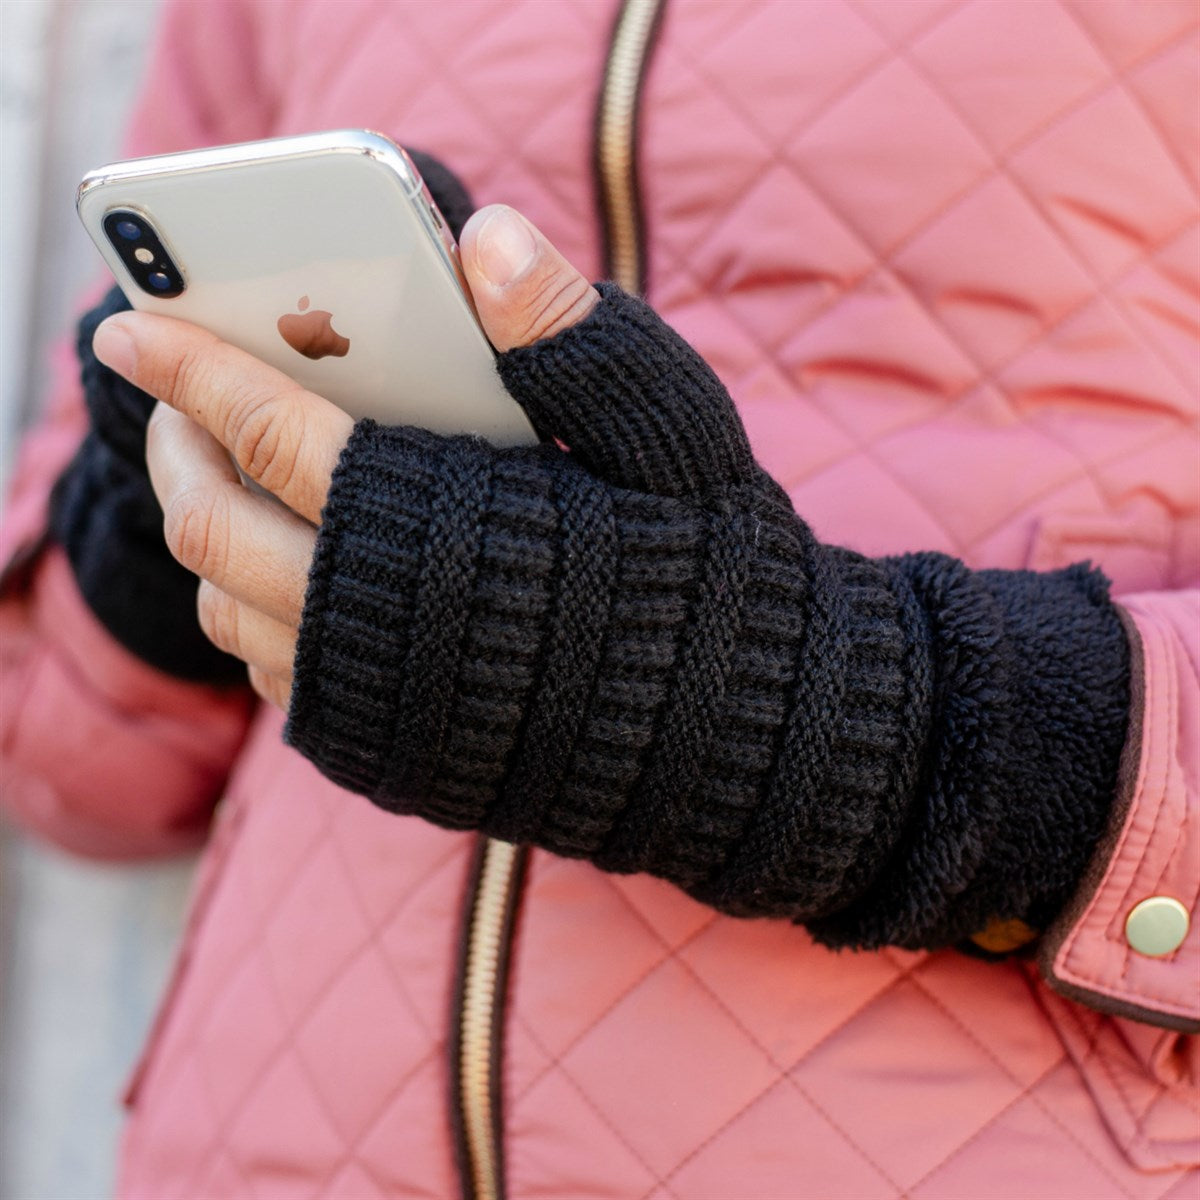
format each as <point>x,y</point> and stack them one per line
<point>523,289</point>
<point>634,403</point>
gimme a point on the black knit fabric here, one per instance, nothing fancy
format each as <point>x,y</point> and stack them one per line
<point>106,517</point>
<point>636,653</point>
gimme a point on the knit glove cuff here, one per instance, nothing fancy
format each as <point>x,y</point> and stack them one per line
<point>677,677</point>
<point>500,641</point>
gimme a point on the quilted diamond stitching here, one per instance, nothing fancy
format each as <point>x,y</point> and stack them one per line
<point>1121,78</point>
<point>1008,66</point>
<point>789,1079</point>
<point>1153,301</point>
<point>683,265</point>
<point>765,1164</point>
<point>1087,467</point>
<point>801,1013</point>
<point>353,1179</point>
<point>410,1110</point>
<point>864,447</point>
<point>906,20</point>
<point>376,926</point>
<point>904,965</point>
<point>1052,1167</point>
<point>555,1058</point>
<point>514,138</point>
<point>967,1143</point>
<point>225,1119</point>
<point>556,1068</point>
<point>1032,499</point>
<point>229,1119</point>
<point>929,1048</point>
<point>444,66</point>
<point>374,945</point>
<point>1000,168</point>
<point>283,1091</point>
<point>353,50</point>
<point>794,90</point>
<point>227,1116</point>
<point>352,1153</point>
<point>185,1080</point>
<point>1156,86</point>
<point>1026,1089</point>
<point>319,1036</point>
<point>751,1036</point>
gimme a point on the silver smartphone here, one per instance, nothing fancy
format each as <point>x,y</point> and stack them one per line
<point>323,255</point>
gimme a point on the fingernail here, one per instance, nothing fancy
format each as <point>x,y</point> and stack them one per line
<point>505,247</point>
<point>114,347</point>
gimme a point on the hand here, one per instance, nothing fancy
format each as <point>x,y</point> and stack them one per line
<point>252,555</point>
<point>637,653</point>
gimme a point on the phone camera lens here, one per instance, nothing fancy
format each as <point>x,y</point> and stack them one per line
<point>139,248</point>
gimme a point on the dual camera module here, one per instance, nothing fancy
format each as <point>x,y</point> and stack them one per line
<point>143,254</point>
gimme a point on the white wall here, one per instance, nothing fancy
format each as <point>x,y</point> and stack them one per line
<point>68,72</point>
<point>83,948</point>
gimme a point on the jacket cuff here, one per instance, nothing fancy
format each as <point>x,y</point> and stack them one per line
<point>1151,848</point>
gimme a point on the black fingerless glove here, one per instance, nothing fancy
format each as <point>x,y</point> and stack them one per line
<point>636,653</point>
<point>104,513</point>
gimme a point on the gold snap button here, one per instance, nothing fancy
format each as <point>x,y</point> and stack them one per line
<point>1157,926</point>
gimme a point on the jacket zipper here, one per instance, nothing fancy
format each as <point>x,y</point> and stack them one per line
<point>615,157</point>
<point>494,891</point>
<point>478,1030</point>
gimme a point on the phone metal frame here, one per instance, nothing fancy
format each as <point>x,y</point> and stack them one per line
<point>368,142</point>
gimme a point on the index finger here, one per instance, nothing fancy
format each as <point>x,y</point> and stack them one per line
<point>286,438</point>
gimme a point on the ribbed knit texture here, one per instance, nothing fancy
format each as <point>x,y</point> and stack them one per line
<point>636,653</point>
<point>104,513</point>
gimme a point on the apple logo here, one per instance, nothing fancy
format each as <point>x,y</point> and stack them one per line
<point>312,333</point>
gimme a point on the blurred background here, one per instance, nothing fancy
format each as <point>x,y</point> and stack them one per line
<point>84,948</point>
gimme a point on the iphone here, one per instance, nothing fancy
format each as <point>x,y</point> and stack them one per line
<point>323,255</point>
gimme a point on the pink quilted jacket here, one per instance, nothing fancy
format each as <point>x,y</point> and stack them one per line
<point>946,255</point>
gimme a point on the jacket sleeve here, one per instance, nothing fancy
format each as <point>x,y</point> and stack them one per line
<point>1152,848</point>
<point>102,753</point>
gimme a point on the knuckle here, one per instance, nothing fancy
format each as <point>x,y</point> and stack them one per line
<point>553,298</point>
<point>264,436</point>
<point>218,618</point>
<point>196,529</point>
<point>185,377</point>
